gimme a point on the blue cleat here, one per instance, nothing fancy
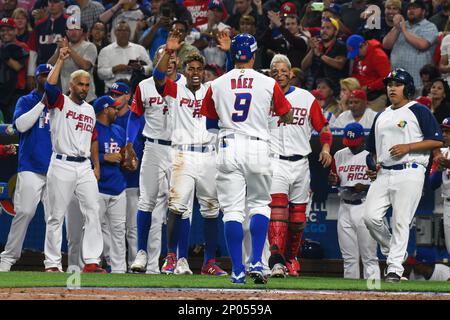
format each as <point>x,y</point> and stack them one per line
<point>239,279</point>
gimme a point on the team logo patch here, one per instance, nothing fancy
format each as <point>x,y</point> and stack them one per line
<point>350,134</point>
<point>402,124</point>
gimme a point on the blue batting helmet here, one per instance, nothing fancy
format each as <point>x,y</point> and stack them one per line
<point>243,46</point>
<point>402,76</point>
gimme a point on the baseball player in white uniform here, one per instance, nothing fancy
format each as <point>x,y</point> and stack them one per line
<point>348,172</point>
<point>290,191</point>
<point>240,103</point>
<point>156,163</point>
<point>70,172</point>
<point>31,118</point>
<point>440,176</point>
<point>194,157</point>
<point>424,266</point>
<point>400,142</point>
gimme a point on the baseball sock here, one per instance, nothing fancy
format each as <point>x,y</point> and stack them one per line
<point>234,235</point>
<point>183,241</point>
<point>144,221</point>
<point>173,231</point>
<point>259,226</point>
<point>210,233</point>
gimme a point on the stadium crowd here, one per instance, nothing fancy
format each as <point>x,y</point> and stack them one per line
<point>340,51</point>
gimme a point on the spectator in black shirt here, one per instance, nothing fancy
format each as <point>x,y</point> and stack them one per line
<point>327,57</point>
<point>440,99</point>
<point>247,8</point>
<point>440,19</point>
<point>283,37</point>
<point>22,20</point>
<point>8,8</point>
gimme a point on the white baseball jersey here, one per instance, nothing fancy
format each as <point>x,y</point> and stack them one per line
<point>441,273</point>
<point>73,127</point>
<point>293,139</point>
<point>445,176</point>
<point>148,101</point>
<point>346,117</point>
<point>245,102</point>
<point>408,124</point>
<point>188,125</point>
<point>351,168</point>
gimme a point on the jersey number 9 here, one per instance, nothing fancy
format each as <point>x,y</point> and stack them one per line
<point>241,104</point>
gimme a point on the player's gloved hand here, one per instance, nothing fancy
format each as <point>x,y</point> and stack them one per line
<point>359,187</point>
<point>130,160</point>
<point>325,158</point>
<point>442,162</point>
<point>333,179</point>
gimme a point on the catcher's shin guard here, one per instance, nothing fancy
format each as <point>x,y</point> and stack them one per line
<point>297,223</point>
<point>278,226</point>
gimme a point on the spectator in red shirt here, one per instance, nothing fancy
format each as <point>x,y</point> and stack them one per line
<point>371,65</point>
<point>13,62</point>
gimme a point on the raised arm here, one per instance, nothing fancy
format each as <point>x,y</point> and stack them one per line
<point>172,45</point>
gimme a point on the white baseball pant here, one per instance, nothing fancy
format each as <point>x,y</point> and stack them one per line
<point>74,232</point>
<point>156,166</point>
<point>243,177</point>
<point>30,189</point>
<point>159,216</point>
<point>291,178</point>
<point>402,189</point>
<point>355,241</point>
<point>113,216</point>
<point>132,195</point>
<point>193,171</point>
<point>64,179</point>
<point>447,224</point>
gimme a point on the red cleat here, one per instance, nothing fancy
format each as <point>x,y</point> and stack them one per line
<point>93,268</point>
<point>293,266</point>
<point>213,269</point>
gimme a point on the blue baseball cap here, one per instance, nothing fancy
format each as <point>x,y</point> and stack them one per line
<point>353,44</point>
<point>353,134</point>
<point>334,8</point>
<point>104,102</point>
<point>120,88</point>
<point>215,4</point>
<point>446,123</point>
<point>423,255</point>
<point>43,68</point>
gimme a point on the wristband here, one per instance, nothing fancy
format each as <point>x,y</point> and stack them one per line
<point>159,75</point>
<point>326,138</point>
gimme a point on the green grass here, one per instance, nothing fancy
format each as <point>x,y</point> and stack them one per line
<point>42,279</point>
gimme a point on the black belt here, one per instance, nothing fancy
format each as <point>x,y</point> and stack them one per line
<point>354,202</point>
<point>196,147</point>
<point>447,199</point>
<point>231,136</point>
<point>69,158</point>
<point>295,157</point>
<point>401,166</point>
<point>159,141</point>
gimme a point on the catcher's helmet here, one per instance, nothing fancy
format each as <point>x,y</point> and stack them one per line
<point>402,76</point>
<point>243,46</point>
